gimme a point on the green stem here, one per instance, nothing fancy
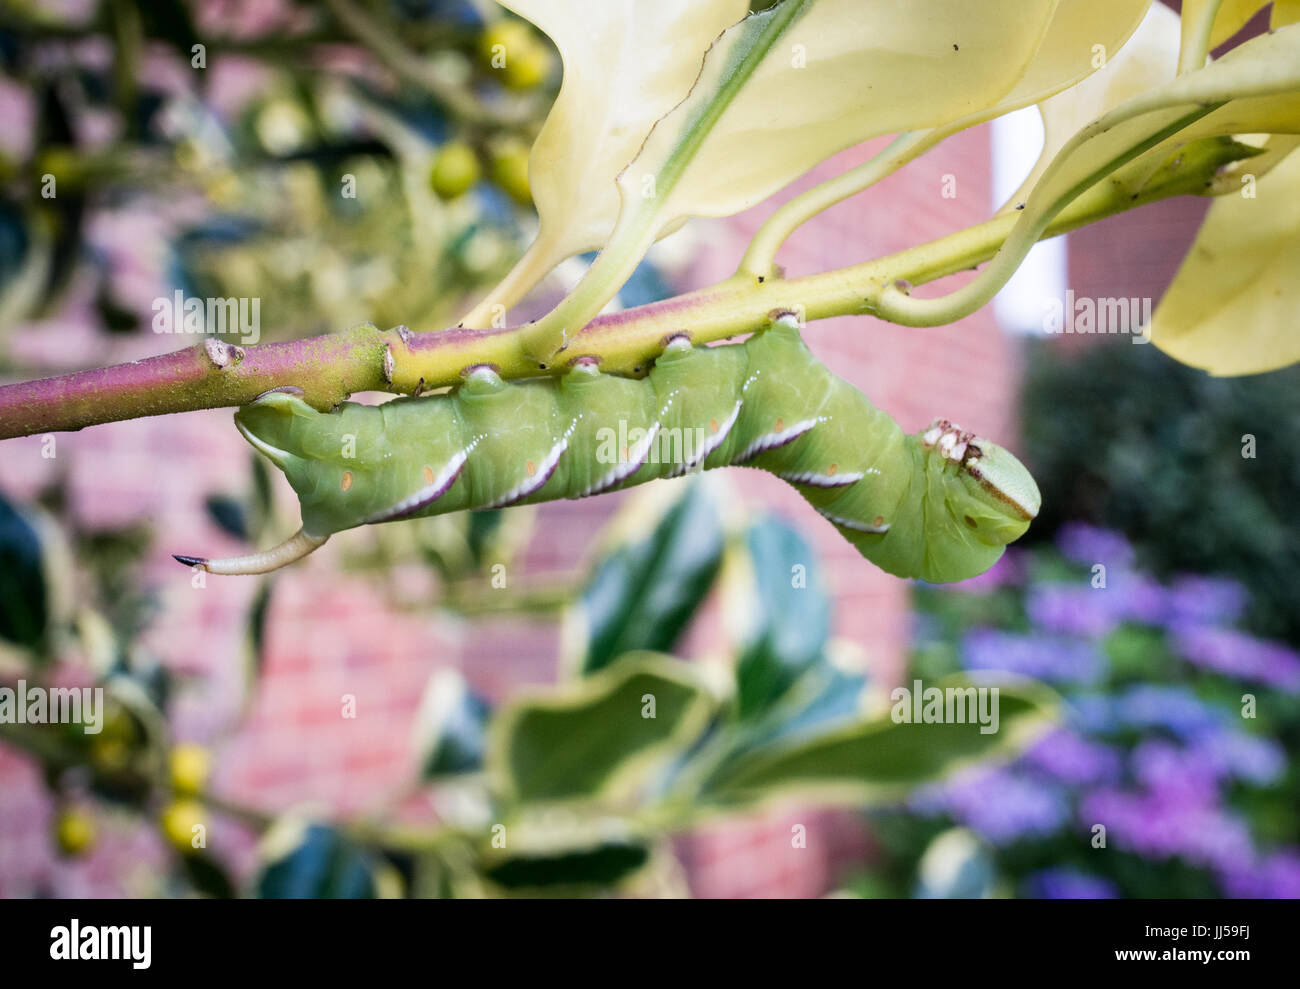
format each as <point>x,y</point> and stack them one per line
<point>527,273</point>
<point>897,306</point>
<point>760,256</point>
<point>1196,32</point>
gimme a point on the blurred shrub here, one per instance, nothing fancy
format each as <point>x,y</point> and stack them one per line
<point>1175,737</point>
<point>1125,437</point>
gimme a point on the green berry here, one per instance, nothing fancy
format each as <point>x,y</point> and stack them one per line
<point>455,170</point>
<point>510,172</point>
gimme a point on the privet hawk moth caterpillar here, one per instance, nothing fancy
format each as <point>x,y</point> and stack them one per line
<point>940,505</point>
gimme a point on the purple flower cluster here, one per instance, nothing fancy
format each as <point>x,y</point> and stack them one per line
<point>1196,600</point>
<point>1181,822</point>
<point>1153,762</point>
<point>1070,758</point>
<point>1175,709</point>
<point>1090,545</point>
<point>1236,654</point>
<point>1234,755</point>
<point>999,805</point>
<point>1049,658</point>
<point>1094,612</point>
<point>1275,877</point>
<point>1068,884</point>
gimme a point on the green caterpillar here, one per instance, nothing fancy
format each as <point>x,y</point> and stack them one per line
<point>940,505</point>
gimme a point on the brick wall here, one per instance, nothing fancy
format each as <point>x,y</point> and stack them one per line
<point>332,634</point>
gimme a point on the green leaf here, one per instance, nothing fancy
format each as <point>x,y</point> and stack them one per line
<point>1082,36</point>
<point>24,591</point>
<point>787,88</point>
<point>821,700</point>
<point>229,515</point>
<point>1255,88</point>
<point>314,861</point>
<point>207,877</point>
<point>599,737</point>
<point>254,647</point>
<point>599,867</point>
<point>451,727</point>
<point>642,594</point>
<point>784,612</point>
<point>1231,308</point>
<point>261,499</point>
<point>880,759</point>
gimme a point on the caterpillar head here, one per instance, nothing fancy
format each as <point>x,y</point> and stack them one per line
<point>997,497</point>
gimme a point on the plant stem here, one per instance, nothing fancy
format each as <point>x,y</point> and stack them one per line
<point>897,306</point>
<point>761,254</point>
<point>1196,32</point>
<point>527,273</point>
<point>327,369</point>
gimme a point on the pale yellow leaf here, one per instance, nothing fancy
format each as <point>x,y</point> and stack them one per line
<point>843,72</point>
<point>1232,306</point>
<point>1254,88</point>
<point>1083,37</point>
<point>1285,12</point>
<point>1148,59</point>
<point>626,64</point>
<point>1258,85</point>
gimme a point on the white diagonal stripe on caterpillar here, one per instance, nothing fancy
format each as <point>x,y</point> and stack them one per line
<point>879,528</point>
<point>814,480</point>
<point>710,444</point>
<point>428,494</point>
<point>771,441</point>
<point>538,480</point>
<point>621,472</point>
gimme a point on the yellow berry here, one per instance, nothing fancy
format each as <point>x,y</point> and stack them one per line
<point>63,163</point>
<point>74,831</point>
<point>455,170</point>
<point>282,126</point>
<point>502,40</point>
<point>179,821</point>
<point>526,66</point>
<point>188,765</point>
<point>110,754</point>
<point>510,172</point>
